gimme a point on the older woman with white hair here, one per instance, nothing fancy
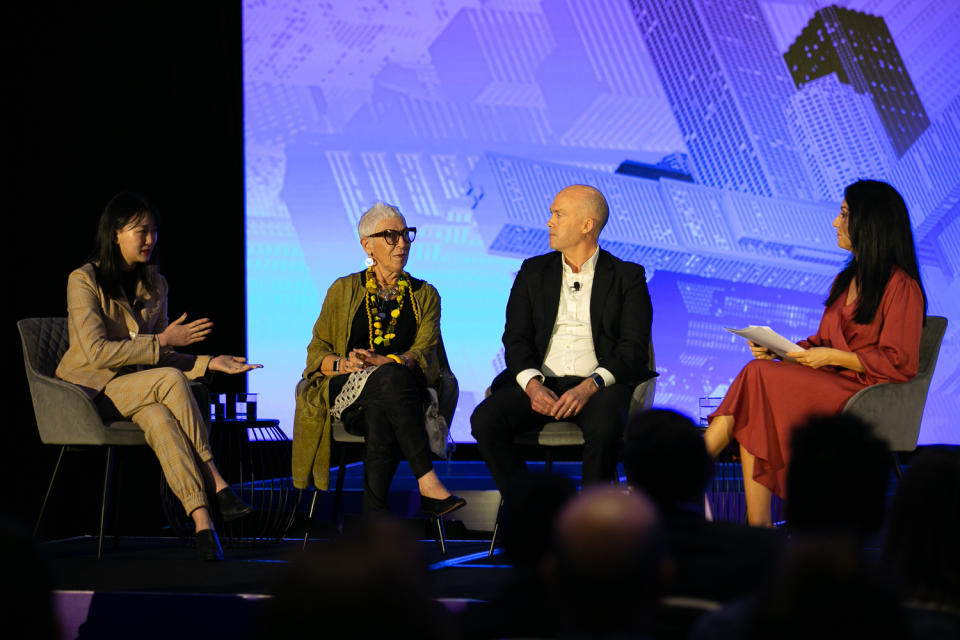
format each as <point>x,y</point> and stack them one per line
<point>371,359</point>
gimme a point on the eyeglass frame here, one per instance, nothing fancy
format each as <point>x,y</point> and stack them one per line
<point>408,233</point>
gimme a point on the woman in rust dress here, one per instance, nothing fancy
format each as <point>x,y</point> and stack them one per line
<point>869,333</point>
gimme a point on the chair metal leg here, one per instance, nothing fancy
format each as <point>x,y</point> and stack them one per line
<point>107,474</point>
<point>313,505</point>
<point>496,529</point>
<point>897,468</point>
<point>338,494</point>
<point>46,496</point>
<point>115,502</point>
<point>443,545</point>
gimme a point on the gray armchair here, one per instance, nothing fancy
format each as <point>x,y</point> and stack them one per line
<point>65,415</point>
<point>895,410</point>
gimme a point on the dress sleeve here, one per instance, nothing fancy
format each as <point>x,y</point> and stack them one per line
<point>87,319</point>
<point>896,355</point>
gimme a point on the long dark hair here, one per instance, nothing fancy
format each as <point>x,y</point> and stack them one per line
<point>123,208</point>
<point>880,234</point>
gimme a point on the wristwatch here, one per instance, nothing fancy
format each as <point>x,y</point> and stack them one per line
<point>336,365</point>
<point>598,380</point>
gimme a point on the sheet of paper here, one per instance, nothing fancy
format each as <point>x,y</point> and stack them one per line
<point>767,337</point>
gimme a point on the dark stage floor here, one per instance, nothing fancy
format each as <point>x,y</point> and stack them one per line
<point>147,587</point>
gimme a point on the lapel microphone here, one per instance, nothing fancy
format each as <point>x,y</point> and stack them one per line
<point>576,287</point>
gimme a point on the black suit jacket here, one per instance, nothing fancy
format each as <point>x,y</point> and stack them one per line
<point>620,314</point>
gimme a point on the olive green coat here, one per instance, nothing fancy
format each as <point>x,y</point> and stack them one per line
<point>331,333</point>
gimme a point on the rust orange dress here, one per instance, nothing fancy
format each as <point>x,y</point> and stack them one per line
<point>769,398</point>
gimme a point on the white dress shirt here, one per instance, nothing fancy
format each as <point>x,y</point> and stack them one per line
<point>570,350</point>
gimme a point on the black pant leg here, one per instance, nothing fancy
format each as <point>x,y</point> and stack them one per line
<point>393,424</point>
<point>495,422</point>
<point>602,421</point>
<point>381,455</point>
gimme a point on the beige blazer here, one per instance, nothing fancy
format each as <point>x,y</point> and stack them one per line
<point>109,337</point>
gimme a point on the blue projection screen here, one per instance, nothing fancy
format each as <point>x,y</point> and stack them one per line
<point>722,133</point>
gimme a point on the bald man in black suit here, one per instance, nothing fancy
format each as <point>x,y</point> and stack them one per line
<point>576,340</point>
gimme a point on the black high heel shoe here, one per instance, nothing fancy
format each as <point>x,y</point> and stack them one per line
<point>231,506</point>
<point>437,508</point>
<point>208,546</point>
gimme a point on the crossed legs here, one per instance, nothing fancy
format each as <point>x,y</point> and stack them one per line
<point>718,435</point>
<point>161,403</point>
<point>392,423</point>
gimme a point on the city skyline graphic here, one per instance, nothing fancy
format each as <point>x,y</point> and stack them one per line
<point>722,133</point>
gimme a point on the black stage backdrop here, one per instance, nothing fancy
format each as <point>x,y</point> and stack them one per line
<point>103,97</point>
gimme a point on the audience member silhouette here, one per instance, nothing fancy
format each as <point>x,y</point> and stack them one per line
<point>521,609</point>
<point>372,583</point>
<point>921,546</point>
<point>26,604</point>
<point>664,455</point>
<point>608,564</point>
<point>837,479</point>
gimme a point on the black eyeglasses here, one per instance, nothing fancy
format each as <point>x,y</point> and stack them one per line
<point>392,236</point>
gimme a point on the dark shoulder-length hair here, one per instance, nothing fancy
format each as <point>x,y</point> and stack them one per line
<point>881,239</point>
<point>123,208</point>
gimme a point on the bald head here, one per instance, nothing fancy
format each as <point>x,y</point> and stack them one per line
<point>604,528</point>
<point>609,560</point>
<point>589,203</point>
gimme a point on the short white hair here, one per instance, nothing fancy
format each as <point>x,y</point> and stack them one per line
<point>372,217</point>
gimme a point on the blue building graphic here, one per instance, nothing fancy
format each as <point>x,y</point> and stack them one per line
<point>728,89</point>
<point>722,173</point>
<point>858,48</point>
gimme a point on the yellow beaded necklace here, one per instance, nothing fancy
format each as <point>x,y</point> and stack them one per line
<point>375,318</point>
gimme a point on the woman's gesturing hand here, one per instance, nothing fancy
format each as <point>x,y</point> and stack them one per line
<point>178,334</point>
<point>760,353</point>
<point>231,364</point>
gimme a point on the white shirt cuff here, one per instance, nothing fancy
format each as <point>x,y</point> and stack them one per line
<point>608,378</point>
<point>525,376</point>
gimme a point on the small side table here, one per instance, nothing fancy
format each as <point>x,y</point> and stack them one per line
<point>254,457</point>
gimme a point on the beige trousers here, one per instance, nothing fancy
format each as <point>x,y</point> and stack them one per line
<point>161,403</point>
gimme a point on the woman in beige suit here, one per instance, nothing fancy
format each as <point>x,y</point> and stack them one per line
<point>121,353</point>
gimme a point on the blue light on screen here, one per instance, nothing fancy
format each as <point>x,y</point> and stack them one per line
<point>739,120</point>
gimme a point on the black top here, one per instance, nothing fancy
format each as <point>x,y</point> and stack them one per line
<point>406,334</point>
<point>128,281</point>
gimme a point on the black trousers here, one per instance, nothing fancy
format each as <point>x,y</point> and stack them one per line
<point>389,414</point>
<point>498,419</point>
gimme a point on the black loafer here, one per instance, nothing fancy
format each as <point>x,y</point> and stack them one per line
<point>208,546</point>
<point>231,506</point>
<point>437,508</point>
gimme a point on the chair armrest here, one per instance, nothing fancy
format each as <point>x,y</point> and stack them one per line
<point>64,412</point>
<point>894,409</point>
<point>643,394</point>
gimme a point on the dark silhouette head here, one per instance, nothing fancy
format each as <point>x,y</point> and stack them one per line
<point>881,239</point>
<point>664,455</point>
<point>26,602</point>
<point>837,478</point>
<point>922,543</point>
<point>609,562</point>
<point>532,502</point>
<point>371,583</point>
<point>825,589</point>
